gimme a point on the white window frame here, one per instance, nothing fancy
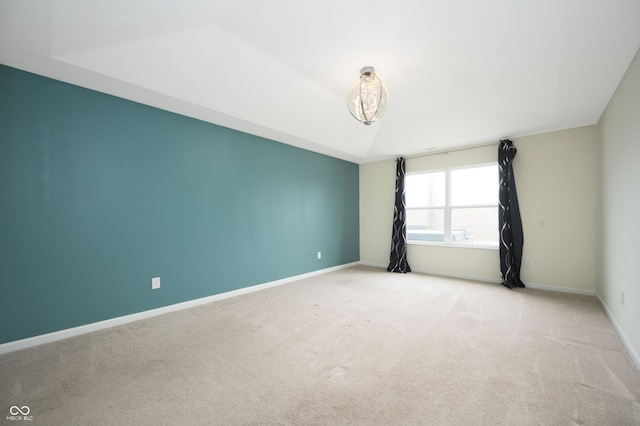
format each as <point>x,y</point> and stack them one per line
<point>448,207</point>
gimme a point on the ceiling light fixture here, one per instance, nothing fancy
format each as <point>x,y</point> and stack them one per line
<point>368,99</point>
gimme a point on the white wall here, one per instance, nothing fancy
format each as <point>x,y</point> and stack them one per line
<point>556,181</point>
<point>556,177</point>
<point>619,212</point>
<point>377,187</point>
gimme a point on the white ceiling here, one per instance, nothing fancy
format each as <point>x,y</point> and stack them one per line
<point>459,72</point>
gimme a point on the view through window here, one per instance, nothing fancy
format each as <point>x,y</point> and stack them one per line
<point>453,206</point>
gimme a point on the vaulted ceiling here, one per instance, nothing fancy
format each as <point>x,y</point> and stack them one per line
<point>459,72</point>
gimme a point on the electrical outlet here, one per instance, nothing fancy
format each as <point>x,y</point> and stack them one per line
<point>622,297</point>
<point>528,263</point>
<point>155,283</point>
<point>319,255</point>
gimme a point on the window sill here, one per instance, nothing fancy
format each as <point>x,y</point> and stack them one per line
<point>465,246</point>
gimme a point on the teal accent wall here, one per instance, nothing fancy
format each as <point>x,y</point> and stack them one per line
<point>99,194</point>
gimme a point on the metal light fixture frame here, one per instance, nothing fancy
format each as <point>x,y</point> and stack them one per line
<point>368,98</point>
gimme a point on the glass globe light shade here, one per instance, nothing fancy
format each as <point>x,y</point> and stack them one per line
<point>368,98</point>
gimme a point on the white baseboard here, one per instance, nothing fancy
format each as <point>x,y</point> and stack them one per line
<point>489,280</point>
<point>560,289</point>
<point>375,265</point>
<point>459,276</point>
<point>101,325</point>
<point>625,341</point>
<point>440,273</point>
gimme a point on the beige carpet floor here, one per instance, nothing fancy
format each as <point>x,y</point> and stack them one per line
<point>358,346</point>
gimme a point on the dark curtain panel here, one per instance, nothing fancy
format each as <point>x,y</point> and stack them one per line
<point>510,223</point>
<point>398,258</point>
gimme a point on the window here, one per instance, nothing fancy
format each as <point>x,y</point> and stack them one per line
<point>453,206</point>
